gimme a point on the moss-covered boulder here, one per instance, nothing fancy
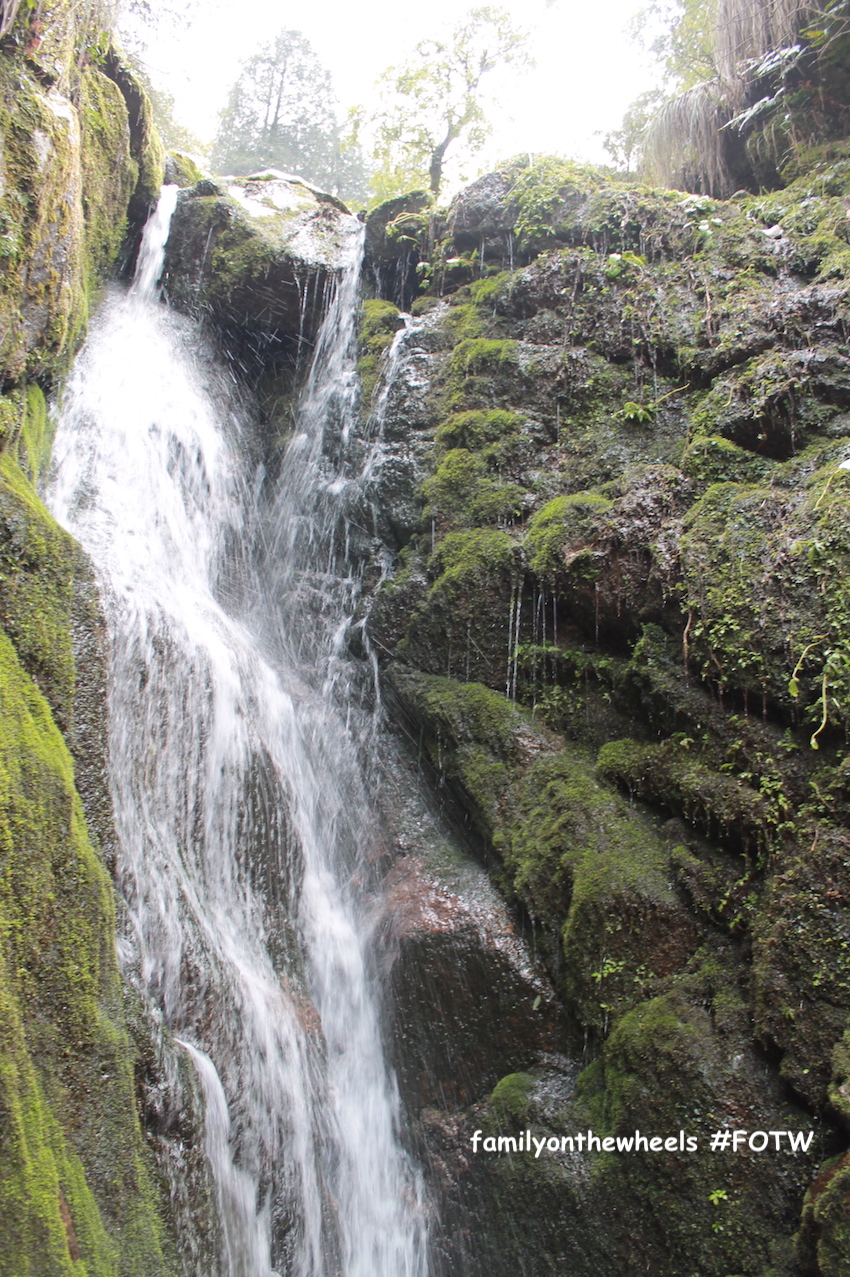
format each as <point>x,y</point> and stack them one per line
<point>256,257</point>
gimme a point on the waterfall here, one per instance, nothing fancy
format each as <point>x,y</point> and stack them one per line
<point>239,742</point>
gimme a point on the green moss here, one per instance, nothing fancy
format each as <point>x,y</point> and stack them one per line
<point>36,434</point>
<point>824,1238</point>
<point>712,459</point>
<point>186,171</point>
<point>42,298</point>
<point>460,321</point>
<point>75,1191</point>
<point>470,735</point>
<point>775,401</point>
<point>720,806</point>
<point>148,151</point>
<point>583,863</point>
<point>377,319</point>
<point>478,428</point>
<point>37,563</point>
<point>485,291</point>
<point>422,305</point>
<point>477,354</point>
<point>592,873</point>
<point>49,1220</point>
<point>376,328</point>
<point>555,525</point>
<point>461,494</point>
<point>368,370</point>
<point>109,172</point>
<point>475,574</point>
<point>839,1089</point>
<point>510,1098</point>
<point>765,575</point>
<point>12,412</point>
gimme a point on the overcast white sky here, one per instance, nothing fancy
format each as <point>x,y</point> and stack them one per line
<point>587,71</point>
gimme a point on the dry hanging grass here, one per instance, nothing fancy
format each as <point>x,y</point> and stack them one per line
<point>748,30</point>
<point>688,144</point>
<point>684,146</point>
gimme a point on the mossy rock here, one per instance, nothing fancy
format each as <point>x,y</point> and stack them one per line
<point>801,961</point>
<point>823,1243</point>
<point>712,459</point>
<point>586,866</point>
<point>556,525</point>
<point>839,1090</point>
<point>461,493</point>
<point>461,626</point>
<point>668,1067</point>
<point>42,295</point>
<point>478,429</point>
<point>181,170</point>
<point>74,1184</point>
<point>510,1098</point>
<point>764,574</point>
<point>110,173</point>
<point>471,735</point>
<point>773,404</point>
<point>257,266</point>
<point>670,776</point>
<point>38,560</point>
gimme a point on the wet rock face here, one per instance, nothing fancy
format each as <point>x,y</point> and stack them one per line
<point>618,634</point>
<point>73,171</point>
<point>466,1005</point>
<point>395,232</point>
<point>77,1182</point>
<point>256,257</point>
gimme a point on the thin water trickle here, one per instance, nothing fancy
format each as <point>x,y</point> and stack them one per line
<point>238,730</point>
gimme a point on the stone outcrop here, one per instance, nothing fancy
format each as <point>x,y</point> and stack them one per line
<point>255,257</point>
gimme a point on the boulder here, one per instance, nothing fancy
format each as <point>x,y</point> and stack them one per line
<point>255,257</point>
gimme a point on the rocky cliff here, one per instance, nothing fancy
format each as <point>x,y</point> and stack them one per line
<point>616,484</point>
<point>613,488</point>
<point>78,1188</point>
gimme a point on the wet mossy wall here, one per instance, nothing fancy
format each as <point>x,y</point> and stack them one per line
<point>77,1191</point>
<point>617,632</point>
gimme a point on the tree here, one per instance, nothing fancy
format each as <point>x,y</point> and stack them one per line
<point>681,36</point>
<point>436,100</point>
<point>280,114</point>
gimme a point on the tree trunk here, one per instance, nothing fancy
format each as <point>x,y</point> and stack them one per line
<point>435,169</point>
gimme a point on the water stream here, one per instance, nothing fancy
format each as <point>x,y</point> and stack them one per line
<point>239,745</point>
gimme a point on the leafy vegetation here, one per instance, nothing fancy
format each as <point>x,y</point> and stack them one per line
<point>435,102</point>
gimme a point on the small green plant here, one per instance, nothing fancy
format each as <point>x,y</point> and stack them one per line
<point>621,265</point>
<point>637,414</point>
<point>641,414</point>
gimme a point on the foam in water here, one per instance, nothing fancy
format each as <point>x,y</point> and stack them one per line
<point>244,821</point>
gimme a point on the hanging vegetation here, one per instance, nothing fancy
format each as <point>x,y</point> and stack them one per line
<point>779,86</point>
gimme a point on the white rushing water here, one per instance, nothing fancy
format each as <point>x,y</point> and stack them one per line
<point>236,751</point>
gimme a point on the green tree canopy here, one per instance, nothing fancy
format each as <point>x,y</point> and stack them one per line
<point>281,114</point>
<point>435,100</point>
<point>681,36</point>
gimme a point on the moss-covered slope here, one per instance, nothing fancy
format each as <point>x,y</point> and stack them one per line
<point>77,1194</point>
<point>619,630</point>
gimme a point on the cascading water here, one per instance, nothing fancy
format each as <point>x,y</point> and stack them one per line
<point>246,831</point>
